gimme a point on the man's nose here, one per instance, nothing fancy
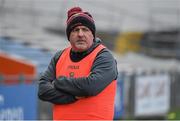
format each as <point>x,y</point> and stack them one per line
<point>80,33</point>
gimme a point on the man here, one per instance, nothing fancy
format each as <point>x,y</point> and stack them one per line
<point>80,80</point>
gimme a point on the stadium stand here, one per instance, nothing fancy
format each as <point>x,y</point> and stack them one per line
<point>38,56</point>
<point>164,44</point>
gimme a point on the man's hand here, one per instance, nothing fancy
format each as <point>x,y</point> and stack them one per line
<point>57,86</point>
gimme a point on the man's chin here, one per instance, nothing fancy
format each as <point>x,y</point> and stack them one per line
<point>81,49</point>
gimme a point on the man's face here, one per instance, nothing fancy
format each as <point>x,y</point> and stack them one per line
<point>81,38</point>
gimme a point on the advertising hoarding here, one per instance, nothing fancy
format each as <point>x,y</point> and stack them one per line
<point>152,95</point>
<point>18,102</point>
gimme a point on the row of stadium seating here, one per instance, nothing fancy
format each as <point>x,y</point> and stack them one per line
<point>37,56</point>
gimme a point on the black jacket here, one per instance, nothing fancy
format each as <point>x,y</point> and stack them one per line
<point>63,90</point>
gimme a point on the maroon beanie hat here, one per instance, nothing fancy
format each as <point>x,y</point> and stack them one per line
<point>77,17</point>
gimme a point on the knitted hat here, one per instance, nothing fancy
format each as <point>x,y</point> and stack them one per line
<point>77,17</point>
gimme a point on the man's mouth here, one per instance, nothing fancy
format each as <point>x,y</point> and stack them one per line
<point>80,41</point>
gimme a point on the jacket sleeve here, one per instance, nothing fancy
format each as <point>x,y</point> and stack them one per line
<point>46,90</point>
<point>103,72</point>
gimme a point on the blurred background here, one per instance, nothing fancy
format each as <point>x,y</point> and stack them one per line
<point>143,35</point>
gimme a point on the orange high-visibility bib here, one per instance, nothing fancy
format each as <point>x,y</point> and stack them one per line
<point>96,107</point>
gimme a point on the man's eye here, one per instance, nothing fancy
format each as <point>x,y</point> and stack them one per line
<point>85,29</point>
<point>75,30</point>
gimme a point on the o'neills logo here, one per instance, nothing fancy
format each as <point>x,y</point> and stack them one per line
<point>73,67</point>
